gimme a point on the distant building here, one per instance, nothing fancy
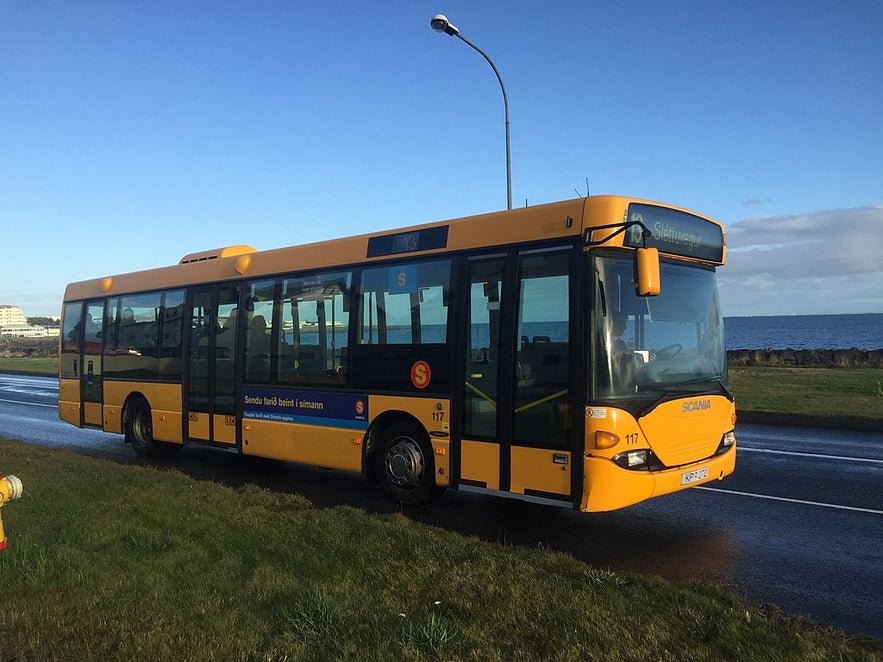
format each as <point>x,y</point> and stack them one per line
<point>27,331</point>
<point>12,315</point>
<point>14,324</point>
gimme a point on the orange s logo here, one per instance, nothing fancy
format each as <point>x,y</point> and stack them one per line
<point>420,374</point>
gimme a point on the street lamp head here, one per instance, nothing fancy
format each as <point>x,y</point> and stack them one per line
<point>440,23</point>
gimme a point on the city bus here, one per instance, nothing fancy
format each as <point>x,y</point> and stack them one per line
<point>570,353</point>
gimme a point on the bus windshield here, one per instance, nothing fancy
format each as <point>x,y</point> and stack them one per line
<point>648,347</point>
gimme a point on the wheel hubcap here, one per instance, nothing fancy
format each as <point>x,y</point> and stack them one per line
<point>142,427</point>
<point>404,463</point>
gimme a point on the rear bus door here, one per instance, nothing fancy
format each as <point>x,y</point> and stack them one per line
<point>213,364</point>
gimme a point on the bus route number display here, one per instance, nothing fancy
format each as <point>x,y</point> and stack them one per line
<point>675,232</point>
<point>408,242</point>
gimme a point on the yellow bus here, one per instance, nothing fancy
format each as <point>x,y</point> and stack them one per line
<point>570,353</point>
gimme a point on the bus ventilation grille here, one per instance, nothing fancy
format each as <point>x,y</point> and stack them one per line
<point>216,253</point>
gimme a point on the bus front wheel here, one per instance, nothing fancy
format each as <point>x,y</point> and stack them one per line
<point>139,428</point>
<point>405,465</point>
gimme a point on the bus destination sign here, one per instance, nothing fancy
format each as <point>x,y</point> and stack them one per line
<point>408,242</point>
<point>675,232</point>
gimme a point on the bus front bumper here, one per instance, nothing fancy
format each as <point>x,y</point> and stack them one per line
<point>607,486</point>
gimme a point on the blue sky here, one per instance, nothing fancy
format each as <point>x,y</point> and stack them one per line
<point>132,133</point>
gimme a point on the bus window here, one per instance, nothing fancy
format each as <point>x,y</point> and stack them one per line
<point>671,342</point>
<point>405,304</point>
<point>170,348</point>
<point>403,323</point>
<point>311,349</point>
<point>258,334</point>
<point>92,351</point>
<point>138,336</point>
<point>483,348</point>
<point>70,340</point>
<point>201,327</point>
<point>227,312</point>
<point>542,369</point>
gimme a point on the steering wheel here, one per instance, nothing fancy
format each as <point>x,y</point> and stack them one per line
<point>669,351</point>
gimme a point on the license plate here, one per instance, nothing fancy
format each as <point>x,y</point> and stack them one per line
<point>694,476</point>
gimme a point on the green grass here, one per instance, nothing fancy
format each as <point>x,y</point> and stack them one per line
<point>841,395</point>
<point>37,366</point>
<point>126,562</point>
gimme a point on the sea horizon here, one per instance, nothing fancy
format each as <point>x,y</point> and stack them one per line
<point>817,331</point>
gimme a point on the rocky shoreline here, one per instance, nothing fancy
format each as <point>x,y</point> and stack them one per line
<point>770,358</point>
<point>807,358</point>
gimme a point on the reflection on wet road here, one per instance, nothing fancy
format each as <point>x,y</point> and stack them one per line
<point>797,525</point>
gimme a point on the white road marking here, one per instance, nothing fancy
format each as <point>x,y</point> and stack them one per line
<point>29,404</point>
<point>813,455</point>
<point>800,501</point>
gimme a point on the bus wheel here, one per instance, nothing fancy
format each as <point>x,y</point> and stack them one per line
<point>139,428</point>
<point>405,466</point>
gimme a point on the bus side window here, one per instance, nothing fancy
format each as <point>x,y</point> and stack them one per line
<point>315,328</point>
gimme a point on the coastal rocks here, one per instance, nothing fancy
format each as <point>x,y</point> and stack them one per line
<point>807,358</point>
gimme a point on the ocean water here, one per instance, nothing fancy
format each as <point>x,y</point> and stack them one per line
<point>775,332</point>
<point>805,332</point>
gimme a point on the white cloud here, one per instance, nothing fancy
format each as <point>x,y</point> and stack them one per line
<point>818,262</point>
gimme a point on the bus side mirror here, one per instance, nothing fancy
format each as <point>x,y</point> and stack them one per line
<point>647,269</point>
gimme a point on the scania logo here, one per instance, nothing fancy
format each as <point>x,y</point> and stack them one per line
<point>695,405</point>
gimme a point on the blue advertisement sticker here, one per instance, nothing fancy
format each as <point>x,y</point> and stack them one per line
<point>403,279</point>
<point>340,410</point>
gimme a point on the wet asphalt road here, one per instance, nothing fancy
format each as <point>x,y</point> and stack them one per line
<point>800,523</point>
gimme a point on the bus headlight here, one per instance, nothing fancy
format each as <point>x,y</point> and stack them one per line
<point>632,459</point>
<point>727,442</point>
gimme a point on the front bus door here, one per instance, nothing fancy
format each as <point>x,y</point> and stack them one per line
<point>517,422</point>
<point>213,364</point>
<point>80,385</point>
<point>91,379</point>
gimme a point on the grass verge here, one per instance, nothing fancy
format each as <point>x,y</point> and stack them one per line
<point>122,562</point>
<point>38,366</point>
<point>849,397</point>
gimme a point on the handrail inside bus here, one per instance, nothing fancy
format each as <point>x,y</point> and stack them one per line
<point>480,394</point>
<point>541,401</point>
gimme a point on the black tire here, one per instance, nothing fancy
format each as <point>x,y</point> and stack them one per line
<point>405,465</point>
<point>139,428</point>
<point>139,431</point>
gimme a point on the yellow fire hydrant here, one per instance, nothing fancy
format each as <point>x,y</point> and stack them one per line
<point>10,488</point>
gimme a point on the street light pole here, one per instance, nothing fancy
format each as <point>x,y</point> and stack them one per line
<point>440,23</point>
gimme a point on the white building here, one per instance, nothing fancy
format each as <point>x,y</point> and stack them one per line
<point>12,315</point>
<point>26,331</point>
<point>14,324</point>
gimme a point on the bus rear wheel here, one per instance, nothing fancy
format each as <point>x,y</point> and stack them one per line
<point>139,430</point>
<point>405,465</point>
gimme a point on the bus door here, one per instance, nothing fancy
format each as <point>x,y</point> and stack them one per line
<point>81,387</point>
<point>213,364</point>
<point>91,381</point>
<point>517,431</point>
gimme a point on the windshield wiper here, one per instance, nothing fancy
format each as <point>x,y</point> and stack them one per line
<point>666,395</point>
<point>669,394</point>
<point>716,379</point>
